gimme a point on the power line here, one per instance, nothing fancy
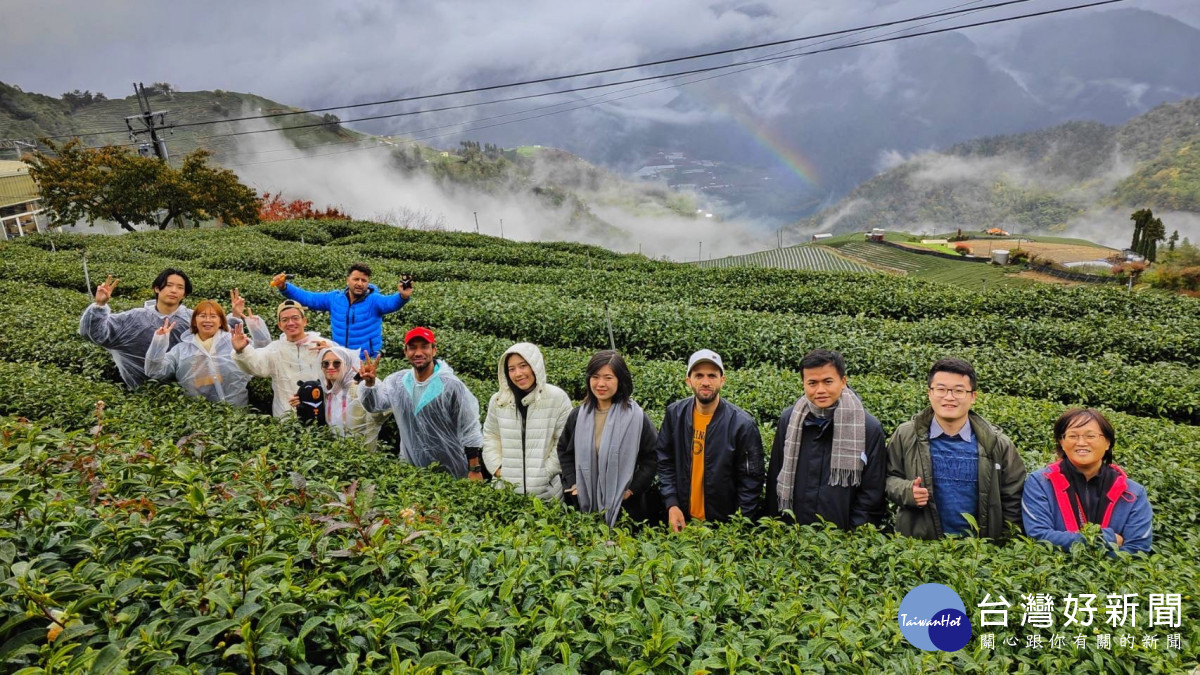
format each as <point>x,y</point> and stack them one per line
<point>760,62</point>
<point>942,12</point>
<point>557,78</point>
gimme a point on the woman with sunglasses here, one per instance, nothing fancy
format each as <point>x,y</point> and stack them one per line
<point>343,411</point>
<point>1084,487</point>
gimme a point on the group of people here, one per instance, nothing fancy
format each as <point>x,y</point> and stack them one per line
<point>947,471</point>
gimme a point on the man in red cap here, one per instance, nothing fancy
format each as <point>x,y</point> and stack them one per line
<point>437,415</point>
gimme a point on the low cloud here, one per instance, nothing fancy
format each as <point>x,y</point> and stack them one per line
<point>830,222</point>
<point>1112,227</point>
<point>366,184</point>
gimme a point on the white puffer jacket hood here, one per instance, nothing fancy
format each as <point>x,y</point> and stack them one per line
<point>525,451</point>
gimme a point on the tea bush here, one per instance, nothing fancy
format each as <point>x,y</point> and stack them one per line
<point>158,533</point>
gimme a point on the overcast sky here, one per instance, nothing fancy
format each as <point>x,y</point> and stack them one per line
<point>311,53</point>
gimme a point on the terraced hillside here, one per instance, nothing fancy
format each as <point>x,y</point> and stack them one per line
<point>33,116</point>
<point>803,257</point>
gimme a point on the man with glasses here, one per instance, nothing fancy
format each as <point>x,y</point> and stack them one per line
<point>288,361</point>
<point>948,466</point>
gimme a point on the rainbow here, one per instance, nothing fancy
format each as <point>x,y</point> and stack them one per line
<point>773,141</point>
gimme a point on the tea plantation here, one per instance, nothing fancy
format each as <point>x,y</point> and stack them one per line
<point>157,533</point>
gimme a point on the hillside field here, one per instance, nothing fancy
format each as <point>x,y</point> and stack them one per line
<point>852,253</point>
<point>157,533</point>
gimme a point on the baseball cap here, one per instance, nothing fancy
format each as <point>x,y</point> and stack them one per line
<point>419,332</point>
<point>289,304</point>
<point>705,356</point>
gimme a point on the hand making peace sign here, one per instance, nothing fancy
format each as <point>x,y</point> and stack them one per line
<point>238,336</point>
<point>368,368</point>
<point>104,291</point>
<point>238,303</point>
<point>165,328</point>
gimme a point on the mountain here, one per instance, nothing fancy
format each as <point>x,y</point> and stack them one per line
<point>29,116</point>
<point>1043,181</point>
<point>843,112</point>
<point>547,194</point>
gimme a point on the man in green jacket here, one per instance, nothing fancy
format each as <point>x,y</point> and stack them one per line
<point>947,465</point>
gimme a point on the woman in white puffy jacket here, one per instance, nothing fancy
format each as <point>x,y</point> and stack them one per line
<point>524,420</point>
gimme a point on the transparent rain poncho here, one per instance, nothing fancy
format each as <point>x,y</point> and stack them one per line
<point>202,373</point>
<point>343,411</point>
<point>436,427</point>
<point>127,335</point>
<point>286,363</point>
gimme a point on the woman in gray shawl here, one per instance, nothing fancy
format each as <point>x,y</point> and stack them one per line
<point>607,449</point>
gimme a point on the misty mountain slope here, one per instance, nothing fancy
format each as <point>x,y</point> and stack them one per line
<point>531,192</point>
<point>842,111</point>
<point>1107,65</point>
<point>1040,181</point>
<point>32,116</point>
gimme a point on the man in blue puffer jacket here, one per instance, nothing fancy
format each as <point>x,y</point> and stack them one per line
<point>355,312</point>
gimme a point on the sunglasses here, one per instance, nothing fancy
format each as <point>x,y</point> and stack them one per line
<point>331,364</point>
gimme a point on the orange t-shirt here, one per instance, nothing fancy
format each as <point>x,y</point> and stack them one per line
<point>699,426</point>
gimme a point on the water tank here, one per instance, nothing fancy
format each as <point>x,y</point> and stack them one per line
<point>999,256</point>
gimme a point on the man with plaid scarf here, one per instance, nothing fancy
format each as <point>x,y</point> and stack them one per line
<point>828,460</point>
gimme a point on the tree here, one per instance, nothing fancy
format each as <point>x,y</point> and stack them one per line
<point>1173,240</point>
<point>331,121</point>
<point>164,88</point>
<point>116,184</point>
<point>272,208</point>
<point>78,99</point>
<point>1153,233</point>
<point>1147,232</point>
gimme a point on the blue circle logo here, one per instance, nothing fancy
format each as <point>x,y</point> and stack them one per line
<point>932,617</point>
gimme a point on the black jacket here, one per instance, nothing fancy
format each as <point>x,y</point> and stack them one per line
<point>644,503</point>
<point>733,461</point>
<point>846,507</point>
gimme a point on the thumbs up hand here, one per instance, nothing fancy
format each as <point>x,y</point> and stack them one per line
<point>920,494</point>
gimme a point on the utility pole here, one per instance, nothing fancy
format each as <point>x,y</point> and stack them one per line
<point>476,214</point>
<point>151,123</point>
<point>501,228</point>
<point>700,252</point>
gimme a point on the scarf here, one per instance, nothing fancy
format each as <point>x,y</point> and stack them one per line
<point>519,396</point>
<point>1088,504</point>
<point>207,345</point>
<point>849,443</point>
<point>603,477</point>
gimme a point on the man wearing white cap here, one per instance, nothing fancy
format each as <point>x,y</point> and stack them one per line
<point>710,454</point>
<point>293,358</point>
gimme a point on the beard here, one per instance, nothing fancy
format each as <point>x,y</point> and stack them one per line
<point>706,399</point>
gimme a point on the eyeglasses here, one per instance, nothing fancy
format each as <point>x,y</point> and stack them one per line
<point>331,364</point>
<point>1090,437</point>
<point>958,393</point>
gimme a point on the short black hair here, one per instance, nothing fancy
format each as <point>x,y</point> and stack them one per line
<point>160,282</point>
<point>359,267</point>
<point>953,365</point>
<point>823,357</point>
<point>1077,417</point>
<point>615,361</point>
